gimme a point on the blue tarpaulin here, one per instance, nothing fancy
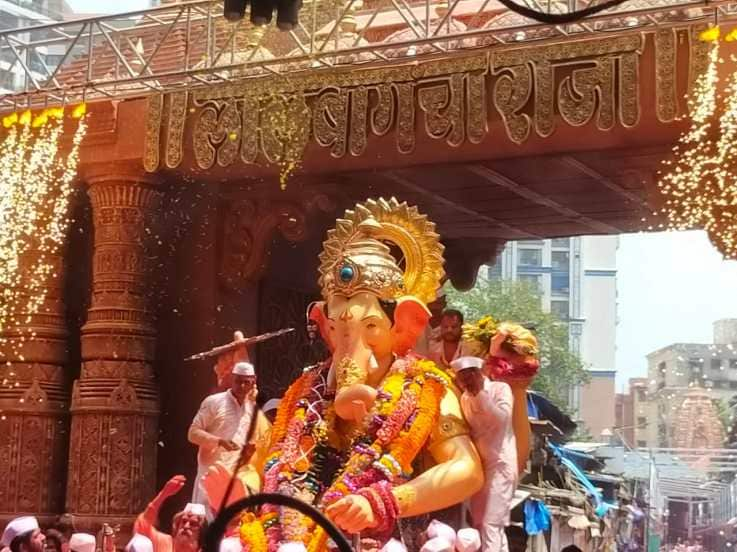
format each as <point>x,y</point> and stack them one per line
<point>601,507</point>
<point>537,517</point>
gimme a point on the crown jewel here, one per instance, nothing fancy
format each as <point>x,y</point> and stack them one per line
<point>356,257</point>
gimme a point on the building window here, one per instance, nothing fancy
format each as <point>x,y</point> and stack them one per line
<point>716,363</point>
<point>560,309</point>
<point>694,365</point>
<point>733,363</point>
<point>733,384</point>
<point>561,242</point>
<point>494,271</point>
<point>641,396</point>
<point>530,242</point>
<point>560,283</point>
<point>559,260</point>
<point>641,421</point>
<point>641,444</point>
<point>530,257</point>
<point>532,280</point>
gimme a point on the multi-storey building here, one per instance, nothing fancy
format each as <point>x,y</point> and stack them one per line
<point>631,410</point>
<point>17,14</point>
<point>576,279</point>
<point>678,369</point>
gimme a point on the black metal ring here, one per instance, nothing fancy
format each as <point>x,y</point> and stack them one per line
<point>217,528</point>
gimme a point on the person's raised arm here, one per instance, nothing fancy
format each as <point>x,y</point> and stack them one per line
<point>146,521</point>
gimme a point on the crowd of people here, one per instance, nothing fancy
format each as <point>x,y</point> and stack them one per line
<point>230,421</point>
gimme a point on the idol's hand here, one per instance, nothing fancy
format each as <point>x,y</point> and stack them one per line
<point>352,514</point>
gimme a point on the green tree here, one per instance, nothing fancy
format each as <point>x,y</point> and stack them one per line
<point>518,302</point>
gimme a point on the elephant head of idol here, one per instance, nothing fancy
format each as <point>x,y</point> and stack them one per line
<point>380,266</point>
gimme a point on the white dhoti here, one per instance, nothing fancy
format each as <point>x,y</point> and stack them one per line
<point>489,414</point>
<point>490,509</point>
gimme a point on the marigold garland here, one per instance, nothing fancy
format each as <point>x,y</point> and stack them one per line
<point>306,459</point>
<point>252,534</point>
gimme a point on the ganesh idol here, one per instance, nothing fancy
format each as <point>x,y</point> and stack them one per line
<point>348,435</point>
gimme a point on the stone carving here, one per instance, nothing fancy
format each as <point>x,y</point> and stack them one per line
<point>697,422</point>
<point>247,227</point>
<point>33,403</point>
<point>115,401</point>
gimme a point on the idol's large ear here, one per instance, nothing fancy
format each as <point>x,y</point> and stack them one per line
<point>316,313</point>
<point>410,320</point>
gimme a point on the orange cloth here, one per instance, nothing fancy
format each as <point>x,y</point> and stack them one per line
<point>144,525</point>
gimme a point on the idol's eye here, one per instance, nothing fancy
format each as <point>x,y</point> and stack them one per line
<point>371,326</point>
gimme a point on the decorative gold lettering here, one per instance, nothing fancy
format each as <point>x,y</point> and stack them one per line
<point>153,133</point>
<point>175,128</point>
<point>204,152</point>
<point>666,101</point>
<point>330,121</point>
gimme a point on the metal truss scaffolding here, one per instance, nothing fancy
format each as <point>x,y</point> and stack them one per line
<point>187,44</point>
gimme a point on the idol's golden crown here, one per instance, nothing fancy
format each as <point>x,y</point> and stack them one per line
<point>357,256</point>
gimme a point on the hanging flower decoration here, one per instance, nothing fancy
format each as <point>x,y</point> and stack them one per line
<point>699,187</point>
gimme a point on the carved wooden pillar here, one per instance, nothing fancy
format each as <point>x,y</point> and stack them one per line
<point>33,404</point>
<point>112,460</point>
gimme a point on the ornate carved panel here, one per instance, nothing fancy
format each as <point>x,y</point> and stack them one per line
<point>33,406</point>
<point>280,361</point>
<point>248,226</point>
<point>115,402</point>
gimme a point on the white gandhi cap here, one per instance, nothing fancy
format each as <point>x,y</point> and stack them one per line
<point>17,527</point>
<point>195,509</point>
<point>468,540</point>
<point>139,543</point>
<point>467,362</point>
<point>82,542</point>
<point>244,369</point>
<point>271,404</point>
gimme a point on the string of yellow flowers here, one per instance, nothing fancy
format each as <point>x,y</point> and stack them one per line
<point>252,533</point>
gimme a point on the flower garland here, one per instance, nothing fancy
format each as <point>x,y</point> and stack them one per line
<point>306,461</point>
<point>252,534</point>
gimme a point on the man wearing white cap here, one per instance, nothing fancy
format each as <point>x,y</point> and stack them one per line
<point>24,535</point>
<point>187,525</point>
<point>270,409</point>
<point>82,542</point>
<point>487,407</point>
<point>221,426</point>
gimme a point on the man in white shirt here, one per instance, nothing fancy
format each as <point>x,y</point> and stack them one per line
<point>221,425</point>
<point>487,407</point>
